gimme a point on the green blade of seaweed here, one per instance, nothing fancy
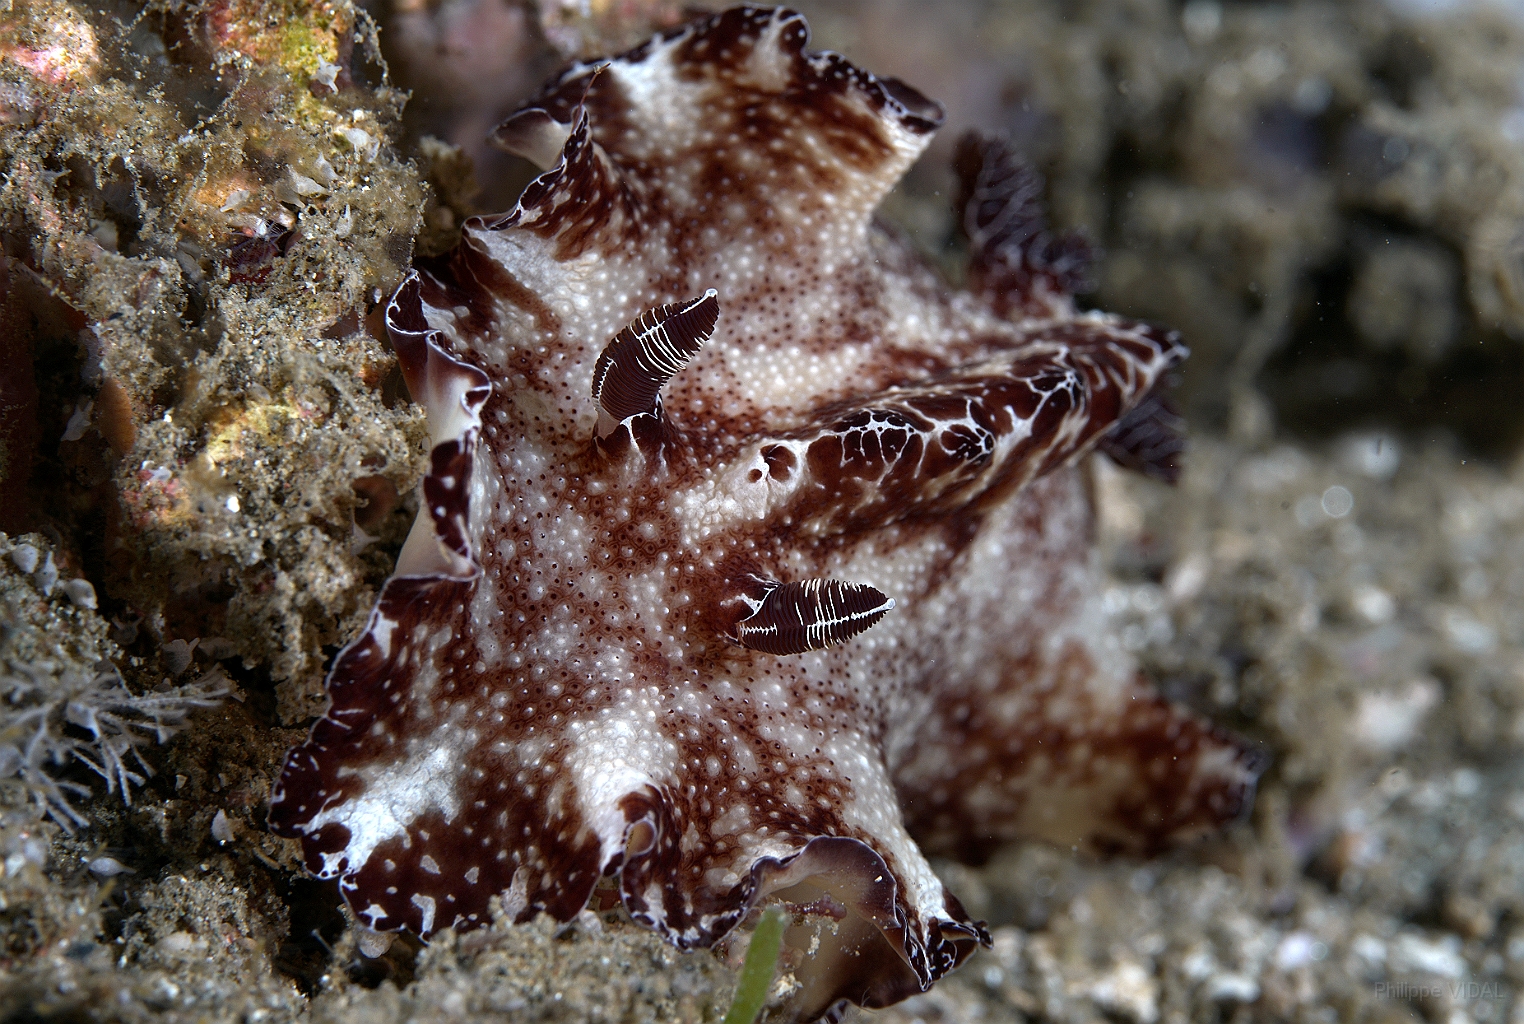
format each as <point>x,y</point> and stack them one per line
<point>757,970</point>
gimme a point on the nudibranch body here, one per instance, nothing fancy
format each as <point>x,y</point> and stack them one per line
<point>753,560</point>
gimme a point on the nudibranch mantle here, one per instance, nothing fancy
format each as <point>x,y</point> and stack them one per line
<point>752,560</point>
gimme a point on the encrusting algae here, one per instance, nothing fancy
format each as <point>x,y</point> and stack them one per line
<point>209,221</point>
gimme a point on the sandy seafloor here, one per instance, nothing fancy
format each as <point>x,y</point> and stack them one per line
<point>199,206</point>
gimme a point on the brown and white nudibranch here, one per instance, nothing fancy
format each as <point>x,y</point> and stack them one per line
<point>753,560</point>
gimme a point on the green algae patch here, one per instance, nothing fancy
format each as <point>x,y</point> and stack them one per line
<point>306,45</point>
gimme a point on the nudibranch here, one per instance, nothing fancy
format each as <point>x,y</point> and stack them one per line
<point>753,560</point>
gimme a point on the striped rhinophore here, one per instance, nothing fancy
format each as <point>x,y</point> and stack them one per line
<point>809,615</point>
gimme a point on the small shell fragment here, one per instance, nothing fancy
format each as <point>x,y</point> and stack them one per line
<point>372,944</point>
<point>24,557</point>
<point>361,141</point>
<point>108,867</point>
<point>306,186</point>
<point>222,829</point>
<point>81,592</point>
<point>323,171</point>
<point>181,942</point>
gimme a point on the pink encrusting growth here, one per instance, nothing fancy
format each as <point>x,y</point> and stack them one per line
<point>752,559</point>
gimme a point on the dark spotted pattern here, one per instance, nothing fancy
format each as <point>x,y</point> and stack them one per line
<point>556,686</point>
